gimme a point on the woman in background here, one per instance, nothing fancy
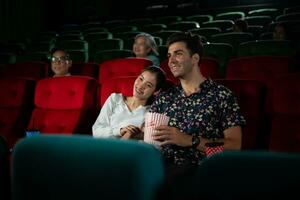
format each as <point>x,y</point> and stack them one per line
<point>145,47</point>
<point>60,63</point>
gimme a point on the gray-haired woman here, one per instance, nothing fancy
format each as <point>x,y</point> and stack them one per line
<point>145,47</point>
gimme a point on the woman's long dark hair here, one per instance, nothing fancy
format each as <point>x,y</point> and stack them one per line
<point>160,80</point>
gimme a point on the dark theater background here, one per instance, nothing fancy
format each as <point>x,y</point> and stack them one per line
<point>22,18</point>
<point>258,61</point>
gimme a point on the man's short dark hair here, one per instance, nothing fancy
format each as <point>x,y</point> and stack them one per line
<point>192,41</point>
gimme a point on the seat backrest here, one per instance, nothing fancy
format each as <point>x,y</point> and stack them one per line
<point>151,28</point>
<point>65,105</point>
<point>165,34</point>
<point>85,69</point>
<point>122,67</point>
<point>206,32</point>
<point>233,38</point>
<point>168,19</point>
<point>81,167</point>
<point>16,105</point>
<point>222,24</point>
<point>105,44</point>
<point>251,98</point>
<point>271,12</point>
<point>105,55</point>
<point>7,58</point>
<point>290,16</point>
<point>235,15</point>
<point>74,44</point>
<point>285,134</point>
<point>262,68</point>
<point>122,28</point>
<point>200,18</point>
<point>78,55</point>
<point>267,175</point>
<point>90,37</point>
<point>266,47</point>
<point>184,25</point>
<point>221,52</point>
<point>122,85</point>
<point>259,20</point>
<point>31,69</point>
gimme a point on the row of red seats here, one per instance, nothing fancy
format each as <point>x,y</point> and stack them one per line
<point>256,67</point>
<point>257,108</point>
<point>70,105</point>
<point>38,70</point>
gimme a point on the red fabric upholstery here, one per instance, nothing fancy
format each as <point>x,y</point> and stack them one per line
<point>85,69</point>
<point>250,95</point>
<point>261,68</point>
<point>65,105</point>
<point>122,85</point>
<point>16,104</point>
<point>209,67</point>
<point>31,69</point>
<point>285,135</point>
<point>122,67</point>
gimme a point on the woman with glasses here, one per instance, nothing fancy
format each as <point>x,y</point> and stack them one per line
<point>60,62</point>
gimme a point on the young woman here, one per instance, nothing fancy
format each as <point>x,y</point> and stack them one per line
<point>123,117</point>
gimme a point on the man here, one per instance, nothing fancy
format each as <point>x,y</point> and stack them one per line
<point>60,63</point>
<point>200,110</point>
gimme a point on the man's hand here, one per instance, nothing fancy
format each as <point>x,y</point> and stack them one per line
<point>171,135</point>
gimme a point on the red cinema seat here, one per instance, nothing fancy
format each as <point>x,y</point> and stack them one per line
<point>122,85</point>
<point>285,134</point>
<point>209,67</point>
<point>250,95</point>
<point>122,67</point>
<point>264,69</point>
<point>65,105</point>
<point>85,69</point>
<point>30,69</point>
<point>16,104</point>
<point>261,68</point>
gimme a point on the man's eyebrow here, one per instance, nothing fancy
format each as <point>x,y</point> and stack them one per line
<point>176,51</point>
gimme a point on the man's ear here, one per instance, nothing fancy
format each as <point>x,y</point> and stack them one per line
<point>196,57</point>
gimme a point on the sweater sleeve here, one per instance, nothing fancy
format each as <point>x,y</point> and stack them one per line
<point>102,127</point>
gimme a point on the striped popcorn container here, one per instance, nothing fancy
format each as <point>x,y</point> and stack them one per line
<point>214,148</point>
<point>153,120</point>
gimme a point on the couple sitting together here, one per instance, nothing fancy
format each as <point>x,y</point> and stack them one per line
<point>200,111</point>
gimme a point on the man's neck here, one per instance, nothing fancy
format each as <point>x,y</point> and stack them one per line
<point>191,83</point>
